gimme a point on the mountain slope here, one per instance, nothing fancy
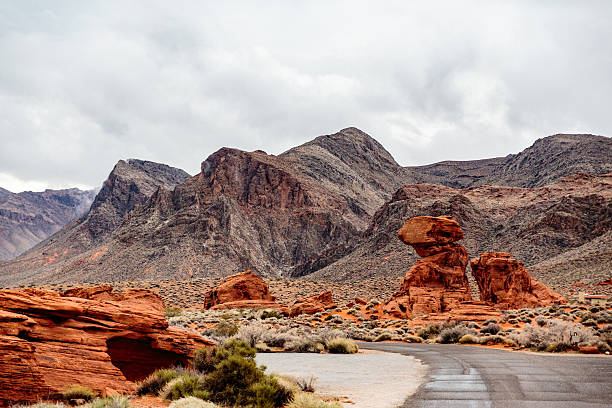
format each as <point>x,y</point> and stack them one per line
<point>289,214</point>
<point>548,160</point>
<point>535,225</point>
<point>29,217</point>
<point>129,185</point>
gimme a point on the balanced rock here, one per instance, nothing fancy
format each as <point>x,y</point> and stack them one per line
<point>313,304</point>
<point>505,282</point>
<point>437,282</point>
<point>91,337</point>
<point>242,290</point>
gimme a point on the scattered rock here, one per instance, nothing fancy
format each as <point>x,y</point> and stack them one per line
<point>313,304</point>
<point>244,289</point>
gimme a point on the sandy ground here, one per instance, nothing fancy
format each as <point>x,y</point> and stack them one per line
<point>365,380</point>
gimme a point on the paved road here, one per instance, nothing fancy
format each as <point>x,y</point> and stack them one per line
<point>464,376</point>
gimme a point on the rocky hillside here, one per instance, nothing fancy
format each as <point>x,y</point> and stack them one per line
<point>278,215</point>
<point>129,185</point>
<point>329,208</point>
<point>29,217</point>
<point>541,227</point>
<point>549,159</point>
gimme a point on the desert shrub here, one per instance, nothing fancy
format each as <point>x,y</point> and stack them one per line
<point>42,405</point>
<point>492,339</point>
<point>306,384</point>
<point>301,345</point>
<point>192,402</point>
<point>225,328</point>
<point>155,381</point>
<point>454,333</point>
<point>603,346</point>
<point>489,321</point>
<point>267,314</point>
<point>603,317</point>
<point>558,347</point>
<point>76,391</point>
<point>270,393</point>
<point>323,335</point>
<point>229,383</point>
<point>556,331</point>
<point>429,331</point>
<point>115,401</point>
<point>541,321</point>
<point>205,360</point>
<point>341,345</point>
<point>413,339</point>
<point>512,321</point>
<point>386,335</point>
<point>304,400</point>
<point>589,322</point>
<point>189,384</point>
<point>173,312</point>
<point>468,339</point>
<point>251,334</point>
<point>491,328</point>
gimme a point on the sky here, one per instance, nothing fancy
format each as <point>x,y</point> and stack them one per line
<point>84,84</point>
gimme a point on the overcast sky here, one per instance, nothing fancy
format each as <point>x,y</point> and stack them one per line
<point>84,83</point>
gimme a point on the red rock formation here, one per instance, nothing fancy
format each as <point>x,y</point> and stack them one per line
<point>313,304</point>
<point>436,283</point>
<point>605,283</point>
<point>242,290</point>
<point>505,281</point>
<point>92,337</point>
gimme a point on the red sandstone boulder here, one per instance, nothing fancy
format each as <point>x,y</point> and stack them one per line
<point>505,281</point>
<point>242,290</point>
<point>436,283</point>
<point>96,338</point>
<point>605,283</point>
<point>313,304</point>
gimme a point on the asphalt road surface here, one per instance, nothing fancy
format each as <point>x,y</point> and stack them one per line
<point>465,376</point>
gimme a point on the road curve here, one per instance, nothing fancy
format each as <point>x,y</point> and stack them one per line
<point>475,377</point>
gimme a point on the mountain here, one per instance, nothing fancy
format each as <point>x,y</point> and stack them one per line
<point>328,209</point>
<point>129,185</point>
<point>548,160</point>
<point>540,227</point>
<point>29,217</point>
<point>278,215</point>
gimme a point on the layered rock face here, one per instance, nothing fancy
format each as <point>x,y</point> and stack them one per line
<point>313,304</point>
<point>437,282</point>
<point>505,282</point>
<point>242,290</point>
<point>93,337</point>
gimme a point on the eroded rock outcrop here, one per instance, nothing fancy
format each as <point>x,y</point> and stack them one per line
<point>437,282</point>
<point>505,282</point>
<point>313,304</point>
<point>93,337</point>
<point>242,290</point>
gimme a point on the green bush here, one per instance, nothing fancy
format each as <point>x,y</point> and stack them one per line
<point>270,393</point>
<point>205,360</point>
<point>116,401</point>
<point>558,347</point>
<point>468,339</point>
<point>154,383</point>
<point>303,400</point>
<point>225,328</point>
<point>173,312</point>
<point>192,402</point>
<point>429,331</point>
<point>186,385</point>
<point>76,391</point>
<point>42,405</point>
<point>267,314</point>
<point>340,345</point>
<point>230,381</point>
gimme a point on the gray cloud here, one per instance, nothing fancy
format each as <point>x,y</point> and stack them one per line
<point>83,84</point>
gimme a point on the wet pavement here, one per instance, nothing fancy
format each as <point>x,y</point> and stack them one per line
<point>477,377</point>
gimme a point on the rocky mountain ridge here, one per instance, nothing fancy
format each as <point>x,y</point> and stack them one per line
<point>323,209</point>
<point>29,217</point>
